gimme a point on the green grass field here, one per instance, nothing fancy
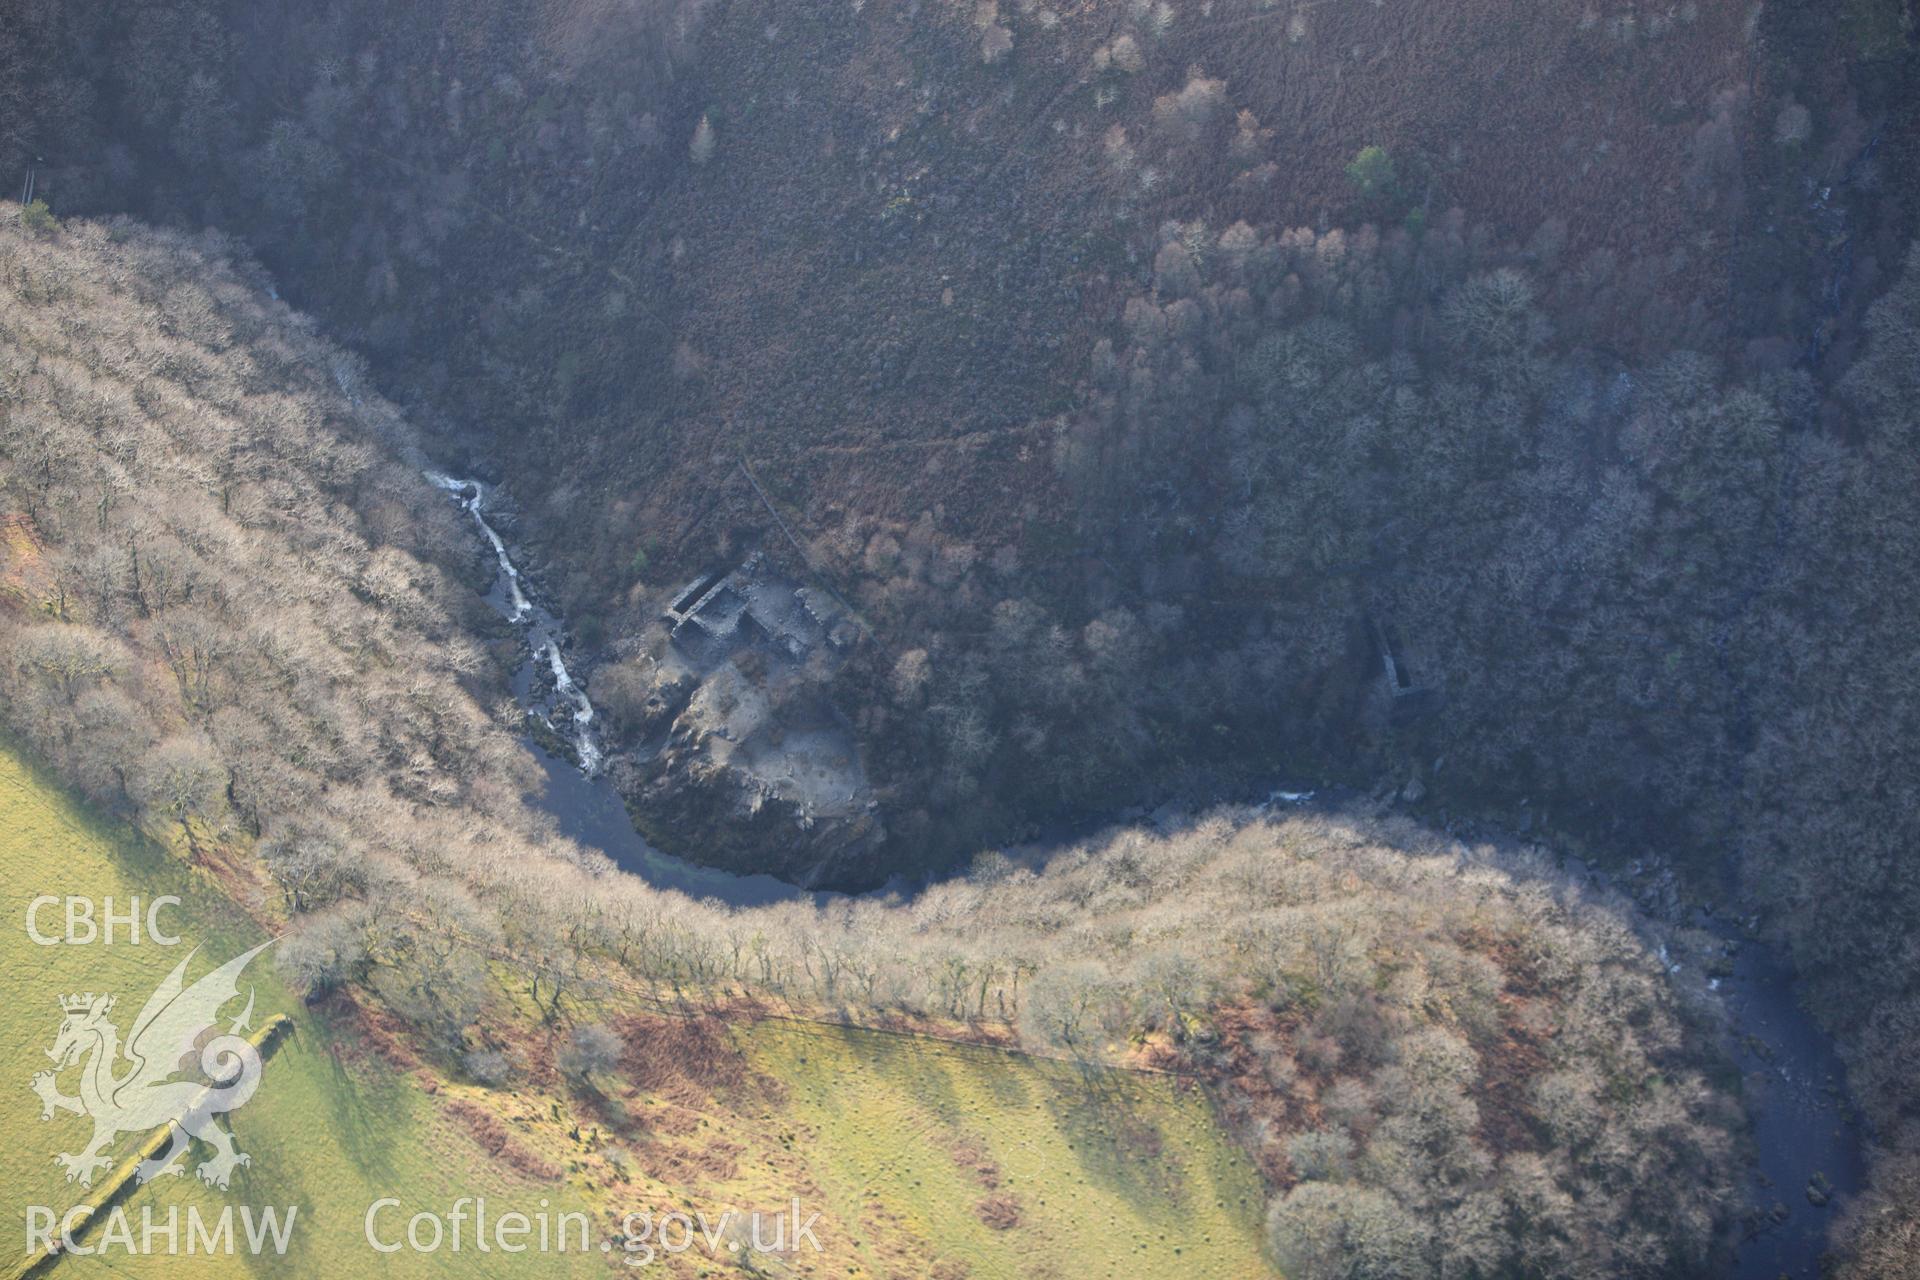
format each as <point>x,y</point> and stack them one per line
<point>923,1158</point>
<point>921,1143</point>
<point>331,1129</point>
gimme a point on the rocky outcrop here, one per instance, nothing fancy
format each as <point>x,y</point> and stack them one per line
<point>743,747</point>
<point>744,828</point>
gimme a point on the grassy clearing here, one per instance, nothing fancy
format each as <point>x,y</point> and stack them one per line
<point>921,1157</point>
<point>331,1130</point>
<point>995,1164</point>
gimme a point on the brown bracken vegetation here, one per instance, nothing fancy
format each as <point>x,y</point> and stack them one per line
<point>1144,423</point>
<point>253,635</point>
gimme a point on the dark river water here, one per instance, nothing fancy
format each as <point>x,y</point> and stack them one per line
<point>590,811</point>
<point>1804,1135</point>
<point>1804,1131</point>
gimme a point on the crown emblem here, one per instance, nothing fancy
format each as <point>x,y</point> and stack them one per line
<point>177,1021</point>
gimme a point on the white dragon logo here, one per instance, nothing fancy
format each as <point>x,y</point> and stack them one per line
<point>144,1096</point>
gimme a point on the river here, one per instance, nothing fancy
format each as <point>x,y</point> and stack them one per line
<point>1804,1132</point>
<point>1804,1135</point>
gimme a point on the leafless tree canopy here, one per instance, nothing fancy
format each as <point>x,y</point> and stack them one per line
<point>244,617</point>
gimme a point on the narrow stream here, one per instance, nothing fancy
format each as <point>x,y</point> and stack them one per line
<point>543,631</point>
<point>1804,1136</point>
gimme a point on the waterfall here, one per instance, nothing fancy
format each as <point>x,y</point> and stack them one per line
<point>541,629</point>
<point>469,494</point>
<point>563,683</point>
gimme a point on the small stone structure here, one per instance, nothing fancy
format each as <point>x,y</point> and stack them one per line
<point>715,615</point>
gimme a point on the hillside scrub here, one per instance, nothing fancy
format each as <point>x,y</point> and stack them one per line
<point>1292,445</point>
<point>1836,817</point>
<point>250,630</point>
<point>1652,600</point>
<point>1066,348</point>
<point>875,258</point>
